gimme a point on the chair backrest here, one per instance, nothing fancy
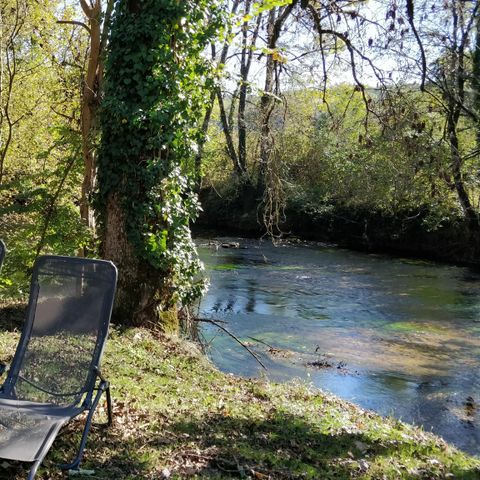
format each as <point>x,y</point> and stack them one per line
<point>2,253</point>
<point>65,330</point>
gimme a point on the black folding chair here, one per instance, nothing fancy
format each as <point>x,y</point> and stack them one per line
<point>54,375</point>
<point>2,253</point>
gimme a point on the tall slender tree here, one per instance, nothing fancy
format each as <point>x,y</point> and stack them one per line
<point>98,22</point>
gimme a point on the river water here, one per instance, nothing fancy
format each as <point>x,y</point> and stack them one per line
<point>398,336</point>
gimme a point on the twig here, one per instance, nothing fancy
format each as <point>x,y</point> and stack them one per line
<point>207,320</point>
<point>75,22</point>
<point>230,334</point>
<point>261,341</point>
<point>410,17</point>
<point>51,207</point>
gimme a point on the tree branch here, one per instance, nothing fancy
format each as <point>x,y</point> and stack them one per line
<point>51,207</point>
<point>230,334</point>
<point>410,16</point>
<point>75,22</point>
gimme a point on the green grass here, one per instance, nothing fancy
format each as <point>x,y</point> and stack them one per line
<point>176,414</point>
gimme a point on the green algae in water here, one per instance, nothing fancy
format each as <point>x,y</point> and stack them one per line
<point>417,262</point>
<point>413,327</point>
<point>226,266</point>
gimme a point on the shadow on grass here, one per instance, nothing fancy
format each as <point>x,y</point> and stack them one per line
<point>280,446</point>
<point>12,316</point>
<point>285,446</point>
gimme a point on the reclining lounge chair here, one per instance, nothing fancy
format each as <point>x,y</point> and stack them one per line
<point>54,375</point>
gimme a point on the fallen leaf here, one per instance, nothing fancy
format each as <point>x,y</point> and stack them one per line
<point>166,473</point>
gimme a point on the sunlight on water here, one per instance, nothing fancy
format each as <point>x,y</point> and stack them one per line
<point>399,336</point>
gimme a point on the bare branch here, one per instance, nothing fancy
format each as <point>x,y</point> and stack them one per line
<point>230,334</point>
<point>410,16</point>
<point>51,207</point>
<point>75,22</point>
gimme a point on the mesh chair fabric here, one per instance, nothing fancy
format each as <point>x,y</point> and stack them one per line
<point>27,429</point>
<point>69,312</point>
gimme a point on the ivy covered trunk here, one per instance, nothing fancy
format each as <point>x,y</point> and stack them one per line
<point>155,89</point>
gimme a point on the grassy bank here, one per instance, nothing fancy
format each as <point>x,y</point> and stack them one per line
<point>178,417</point>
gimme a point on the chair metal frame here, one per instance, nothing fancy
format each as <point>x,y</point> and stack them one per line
<point>95,385</point>
<point>3,250</point>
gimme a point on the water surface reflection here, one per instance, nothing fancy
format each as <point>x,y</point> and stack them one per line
<point>407,330</point>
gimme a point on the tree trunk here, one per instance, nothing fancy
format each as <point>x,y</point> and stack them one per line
<point>90,99</point>
<point>8,74</point>
<point>275,23</point>
<point>139,283</point>
<point>245,64</point>
<point>476,75</point>
<point>267,104</point>
<point>226,120</point>
<point>242,101</point>
<point>201,145</point>
<point>454,94</point>
<point>230,147</point>
<point>456,165</point>
<point>88,109</point>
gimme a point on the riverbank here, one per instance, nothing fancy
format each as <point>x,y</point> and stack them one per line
<point>413,234</point>
<point>176,416</point>
<point>404,332</point>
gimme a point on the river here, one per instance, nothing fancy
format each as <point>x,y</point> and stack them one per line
<point>398,336</point>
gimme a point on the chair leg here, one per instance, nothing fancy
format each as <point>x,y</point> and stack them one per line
<point>33,470</point>
<point>109,406</point>
<point>76,462</point>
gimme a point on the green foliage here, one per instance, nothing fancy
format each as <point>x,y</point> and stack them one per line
<point>266,5</point>
<point>42,172</point>
<point>169,246</point>
<point>155,91</point>
<point>334,162</point>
